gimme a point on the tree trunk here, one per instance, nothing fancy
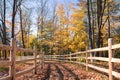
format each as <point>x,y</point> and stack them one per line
<point>90,28</point>
<point>91,25</point>
<point>99,21</point>
<point>13,18</point>
<point>4,31</point>
<point>99,9</point>
<point>22,33</point>
<point>93,22</point>
<point>101,5</point>
<point>108,21</point>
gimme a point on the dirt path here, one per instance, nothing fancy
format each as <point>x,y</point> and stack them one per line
<point>61,74</point>
<point>47,74</point>
<point>70,71</point>
<point>56,71</point>
<point>63,71</point>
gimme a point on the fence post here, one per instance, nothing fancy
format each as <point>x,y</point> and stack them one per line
<point>110,58</point>
<point>12,71</point>
<point>41,55</point>
<point>86,59</point>
<point>35,61</point>
<point>70,57</point>
<point>42,60</point>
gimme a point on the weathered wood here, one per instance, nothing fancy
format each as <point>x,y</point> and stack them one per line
<point>64,61</point>
<point>25,50</point>
<point>78,53</point>
<point>12,62</point>
<point>43,59</point>
<point>35,60</point>
<point>93,50</point>
<point>25,71</point>
<point>74,57</point>
<point>55,55</point>
<point>86,61</point>
<point>70,57</point>
<point>115,60</point>
<point>6,78</point>
<point>12,68</point>
<point>23,61</point>
<point>116,46</point>
<point>5,47</point>
<point>41,55</point>
<point>115,74</point>
<point>95,67</point>
<point>99,58</point>
<point>110,58</point>
<point>5,63</point>
<point>99,68</point>
<point>67,55</point>
<point>98,49</point>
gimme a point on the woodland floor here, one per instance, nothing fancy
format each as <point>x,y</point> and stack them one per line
<point>58,71</point>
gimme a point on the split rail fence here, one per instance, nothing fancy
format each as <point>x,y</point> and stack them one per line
<point>38,61</point>
<point>73,58</point>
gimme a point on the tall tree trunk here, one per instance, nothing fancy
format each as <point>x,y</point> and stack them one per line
<point>101,5</point>
<point>89,22</point>
<point>99,9</point>
<point>93,22</point>
<point>22,32</point>
<point>99,14</point>
<point>90,27</point>
<point>108,19</point>
<point>4,31</point>
<point>13,18</point>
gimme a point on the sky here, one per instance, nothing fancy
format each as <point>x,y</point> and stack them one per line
<point>33,5</point>
<point>67,1</point>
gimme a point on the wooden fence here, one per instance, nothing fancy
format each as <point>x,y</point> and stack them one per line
<point>73,57</point>
<point>12,60</point>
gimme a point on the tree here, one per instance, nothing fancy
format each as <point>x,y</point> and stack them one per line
<point>42,14</point>
<point>3,28</point>
<point>90,24</point>
<point>62,29</point>
<point>16,5</point>
<point>101,5</point>
<point>21,27</point>
<point>78,33</point>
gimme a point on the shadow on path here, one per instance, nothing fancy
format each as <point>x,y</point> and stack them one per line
<point>47,75</point>
<point>61,76</point>
<point>73,74</point>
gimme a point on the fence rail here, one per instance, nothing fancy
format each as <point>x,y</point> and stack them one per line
<point>73,57</point>
<point>14,60</point>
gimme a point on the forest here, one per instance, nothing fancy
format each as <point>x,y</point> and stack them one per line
<point>61,27</point>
